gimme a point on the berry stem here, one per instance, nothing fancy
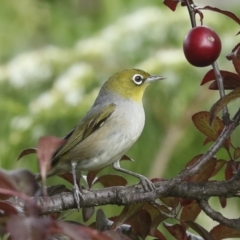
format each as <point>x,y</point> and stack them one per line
<point>191,11</point>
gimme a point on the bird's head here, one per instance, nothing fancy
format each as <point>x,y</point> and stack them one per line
<point>130,83</point>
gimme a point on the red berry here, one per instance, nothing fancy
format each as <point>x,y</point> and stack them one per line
<point>202,46</point>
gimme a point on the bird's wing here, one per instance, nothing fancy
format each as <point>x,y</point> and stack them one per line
<point>85,129</point>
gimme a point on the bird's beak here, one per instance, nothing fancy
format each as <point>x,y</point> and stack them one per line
<point>153,79</point>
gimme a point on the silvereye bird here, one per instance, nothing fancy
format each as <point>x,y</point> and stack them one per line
<point>109,129</point>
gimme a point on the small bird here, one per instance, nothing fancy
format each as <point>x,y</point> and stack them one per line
<point>109,129</point>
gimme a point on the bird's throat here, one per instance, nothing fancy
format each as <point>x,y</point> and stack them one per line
<point>133,94</point>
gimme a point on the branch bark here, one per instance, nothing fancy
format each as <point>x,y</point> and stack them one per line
<point>135,194</point>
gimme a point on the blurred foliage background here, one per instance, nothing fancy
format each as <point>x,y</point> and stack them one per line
<point>55,54</point>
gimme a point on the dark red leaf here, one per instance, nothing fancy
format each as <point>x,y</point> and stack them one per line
<point>156,211</point>
<point>111,180</point>
<point>69,177</point>
<point>231,56</point>
<point>18,180</point>
<point>25,181</point>
<point>186,201</point>
<point>6,182</point>
<point>159,235</point>
<point>205,172</point>
<point>127,213</point>
<point>207,140</point>
<point>223,202</point>
<point>235,58</point>
<point>157,216</point>
<point>27,152</point>
<point>155,223</point>
<point>46,147</point>
<point>226,13</point>
<point>230,80</point>
<point>140,223</point>
<point>229,85</point>
<point>171,202</point>
<point>190,212</point>
<point>221,232</point>
<point>172,4</point>
<point>201,122</point>
<point>219,165</point>
<point>231,169</point>
<point>91,177</point>
<point>212,131</point>
<point>200,230</point>
<point>126,158</point>
<point>176,230</point>
<point>31,227</point>
<point>87,213</point>
<point>6,193</point>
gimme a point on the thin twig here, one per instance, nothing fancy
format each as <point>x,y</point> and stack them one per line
<point>221,90</point>
<point>232,223</point>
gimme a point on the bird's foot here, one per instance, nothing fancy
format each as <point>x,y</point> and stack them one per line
<point>77,195</point>
<point>147,184</point>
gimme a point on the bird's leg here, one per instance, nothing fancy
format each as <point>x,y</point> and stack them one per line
<point>76,191</point>
<point>146,183</point>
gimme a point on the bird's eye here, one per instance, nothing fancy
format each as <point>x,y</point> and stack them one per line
<point>138,79</point>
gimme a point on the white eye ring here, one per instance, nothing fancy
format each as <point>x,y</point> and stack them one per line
<point>138,79</point>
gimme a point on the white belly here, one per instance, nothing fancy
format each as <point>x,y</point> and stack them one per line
<point>116,136</point>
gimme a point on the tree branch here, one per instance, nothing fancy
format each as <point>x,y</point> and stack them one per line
<point>232,223</point>
<point>135,194</point>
